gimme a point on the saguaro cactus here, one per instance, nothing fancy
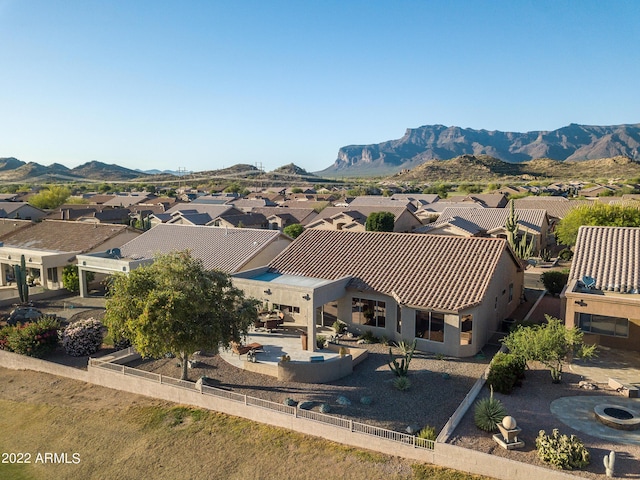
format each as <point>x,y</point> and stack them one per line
<point>20,272</point>
<point>610,463</point>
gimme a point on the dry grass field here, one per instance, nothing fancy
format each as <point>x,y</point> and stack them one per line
<point>120,435</point>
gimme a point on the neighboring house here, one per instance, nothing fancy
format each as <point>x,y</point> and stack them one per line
<point>280,217</point>
<point>20,210</point>
<point>380,202</point>
<point>602,296</point>
<point>128,200</point>
<point>449,293</point>
<point>50,245</point>
<point>227,249</point>
<point>490,221</point>
<point>193,213</point>
<point>487,200</point>
<point>338,218</point>
<point>598,190</point>
<point>247,205</point>
<point>557,207</point>
<point>244,220</point>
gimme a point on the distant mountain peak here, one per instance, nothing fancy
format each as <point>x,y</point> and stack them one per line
<point>439,142</point>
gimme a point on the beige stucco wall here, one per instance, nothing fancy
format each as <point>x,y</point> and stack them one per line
<point>406,222</point>
<point>609,304</point>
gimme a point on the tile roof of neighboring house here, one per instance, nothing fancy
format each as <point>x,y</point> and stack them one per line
<point>490,218</point>
<point>489,200</point>
<point>251,220</point>
<point>226,249</point>
<point>610,255</point>
<point>416,197</point>
<point>428,271</point>
<point>363,210</point>
<point>189,217</point>
<point>109,215</point>
<point>7,208</point>
<point>128,200</point>
<point>301,215</point>
<point>556,207</point>
<point>379,202</point>
<point>440,206</point>
<point>212,209</point>
<point>63,236</point>
<point>100,199</point>
<point>10,225</point>
<point>462,224</point>
<point>249,203</point>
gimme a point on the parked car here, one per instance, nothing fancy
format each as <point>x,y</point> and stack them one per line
<point>23,314</point>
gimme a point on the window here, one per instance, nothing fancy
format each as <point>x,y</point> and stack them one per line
<point>430,326</point>
<point>52,275</point>
<point>286,308</point>
<point>398,319</point>
<point>466,329</point>
<point>510,292</point>
<point>603,325</point>
<point>368,312</point>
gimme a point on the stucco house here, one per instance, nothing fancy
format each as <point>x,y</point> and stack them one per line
<point>602,296</point>
<point>51,245</point>
<point>490,222</point>
<point>449,293</point>
<point>227,249</point>
<point>354,218</point>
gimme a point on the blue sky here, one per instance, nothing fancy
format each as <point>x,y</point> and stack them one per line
<point>208,84</point>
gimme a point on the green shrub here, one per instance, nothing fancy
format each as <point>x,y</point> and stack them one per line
<point>35,339</point>
<point>561,450</point>
<point>320,341</point>
<point>565,254</point>
<point>402,383</point>
<point>428,433</point>
<point>505,371</point>
<point>339,326</point>
<point>489,413</point>
<point>554,281</point>
<point>369,337</point>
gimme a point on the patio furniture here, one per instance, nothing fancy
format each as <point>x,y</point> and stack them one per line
<point>244,349</point>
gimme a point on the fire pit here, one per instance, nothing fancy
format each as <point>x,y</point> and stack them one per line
<point>618,417</point>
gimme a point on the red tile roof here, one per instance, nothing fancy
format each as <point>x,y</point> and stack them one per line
<point>430,271</point>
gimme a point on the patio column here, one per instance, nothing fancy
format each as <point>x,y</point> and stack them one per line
<point>82,277</point>
<point>311,322</point>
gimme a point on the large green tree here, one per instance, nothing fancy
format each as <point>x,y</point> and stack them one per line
<point>174,305</point>
<point>601,214</point>
<point>552,344</point>
<point>380,222</point>
<point>294,230</point>
<point>51,197</point>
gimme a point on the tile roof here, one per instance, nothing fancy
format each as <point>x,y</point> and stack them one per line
<point>556,207</point>
<point>490,218</point>
<point>363,210</point>
<point>301,215</point>
<point>226,249</point>
<point>63,236</point>
<point>380,201</point>
<point>213,210</point>
<point>462,224</point>
<point>490,200</point>
<point>610,255</point>
<point>430,271</point>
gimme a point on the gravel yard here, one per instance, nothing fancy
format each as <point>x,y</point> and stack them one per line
<point>438,385</point>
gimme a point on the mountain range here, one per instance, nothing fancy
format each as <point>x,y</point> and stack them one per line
<point>438,142</point>
<point>14,170</point>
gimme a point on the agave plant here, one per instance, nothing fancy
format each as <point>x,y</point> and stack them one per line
<point>489,413</point>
